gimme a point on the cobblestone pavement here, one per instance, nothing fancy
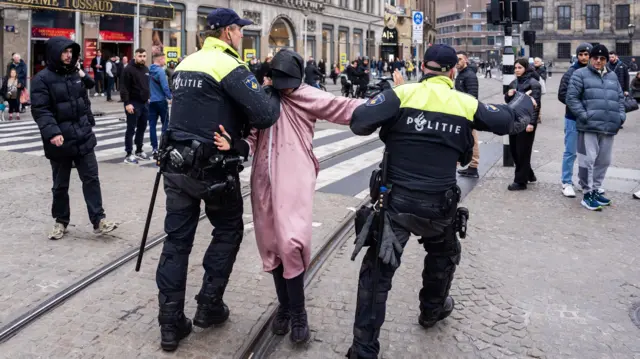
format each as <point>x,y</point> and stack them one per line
<point>33,267</point>
<point>116,317</point>
<point>540,276</point>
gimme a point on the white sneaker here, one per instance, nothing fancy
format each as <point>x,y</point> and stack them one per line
<point>142,156</point>
<point>131,159</point>
<point>57,232</point>
<point>567,190</point>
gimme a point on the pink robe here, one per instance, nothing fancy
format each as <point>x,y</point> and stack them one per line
<point>283,177</point>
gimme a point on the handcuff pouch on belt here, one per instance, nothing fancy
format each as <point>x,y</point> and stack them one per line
<point>191,160</point>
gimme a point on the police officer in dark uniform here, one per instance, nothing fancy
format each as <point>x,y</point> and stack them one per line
<point>426,128</point>
<point>211,87</point>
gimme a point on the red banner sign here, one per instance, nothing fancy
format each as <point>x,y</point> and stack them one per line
<point>89,51</point>
<point>116,36</point>
<point>47,32</point>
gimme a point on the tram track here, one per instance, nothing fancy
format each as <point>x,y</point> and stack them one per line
<point>22,320</point>
<point>259,345</point>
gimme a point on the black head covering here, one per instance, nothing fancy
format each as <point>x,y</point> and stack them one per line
<point>287,69</point>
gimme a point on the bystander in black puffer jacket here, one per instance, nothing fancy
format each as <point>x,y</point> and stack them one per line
<point>60,105</point>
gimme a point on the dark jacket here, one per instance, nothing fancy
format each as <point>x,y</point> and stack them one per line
<point>542,72</point>
<point>635,88</point>
<point>622,72</point>
<point>467,82</point>
<point>311,74</point>
<point>135,84</point>
<point>523,84</point>
<point>533,73</point>
<point>103,63</point>
<point>564,85</point>
<point>60,104</point>
<point>413,128</point>
<point>597,101</point>
<point>264,70</point>
<point>214,87</point>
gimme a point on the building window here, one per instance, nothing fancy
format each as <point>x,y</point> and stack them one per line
<point>356,49</point>
<point>251,42</point>
<point>564,50</point>
<point>593,17</point>
<point>537,18</point>
<point>491,40</point>
<point>327,45</point>
<point>343,46</point>
<point>622,17</point>
<point>477,27</point>
<point>458,41</point>
<point>623,49</point>
<point>476,15</point>
<point>536,50</point>
<point>311,48</point>
<point>170,34</point>
<point>476,41</point>
<point>564,17</point>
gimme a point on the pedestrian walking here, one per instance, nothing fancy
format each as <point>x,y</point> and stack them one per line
<point>160,98</point>
<point>212,87</point>
<point>98,64</point>
<point>424,195</point>
<point>521,144</point>
<point>62,110</point>
<point>111,72</point>
<point>135,95</point>
<point>597,100</point>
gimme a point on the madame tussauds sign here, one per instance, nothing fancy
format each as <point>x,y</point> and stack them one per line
<point>104,7</point>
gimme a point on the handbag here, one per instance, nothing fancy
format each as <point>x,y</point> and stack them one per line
<point>25,99</point>
<point>543,85</point>
<point>630,104</point>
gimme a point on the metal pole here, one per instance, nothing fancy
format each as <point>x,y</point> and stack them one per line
<point>136,27</point>
<point>508,60</point>
<point>304,40</point>
<point>29,45</point>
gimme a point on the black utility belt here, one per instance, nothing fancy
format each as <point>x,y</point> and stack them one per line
<point>201,161</point>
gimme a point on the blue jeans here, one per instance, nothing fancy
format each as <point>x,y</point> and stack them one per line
<point>157,108</point>
<point>570,146</point>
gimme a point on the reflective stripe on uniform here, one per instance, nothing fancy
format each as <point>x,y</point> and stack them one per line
<point>436,94</point>
<point>212,60</point>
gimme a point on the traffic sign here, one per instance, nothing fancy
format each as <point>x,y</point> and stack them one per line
<point>418,24</point>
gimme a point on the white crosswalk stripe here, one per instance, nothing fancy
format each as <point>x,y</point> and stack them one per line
<point>344,173</point>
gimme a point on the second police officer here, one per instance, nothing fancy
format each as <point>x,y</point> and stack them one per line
<point>427,128</point>
<point>212,87</point>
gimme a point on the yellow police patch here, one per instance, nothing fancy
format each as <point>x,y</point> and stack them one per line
<point>491,108</point>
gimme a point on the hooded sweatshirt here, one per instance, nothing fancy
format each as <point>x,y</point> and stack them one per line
<point>158,84</point>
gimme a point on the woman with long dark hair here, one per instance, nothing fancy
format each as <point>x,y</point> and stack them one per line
<point>521,145</point>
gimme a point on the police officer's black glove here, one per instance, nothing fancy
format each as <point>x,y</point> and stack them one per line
<point>390,248</point>
<point>523,107</point>
<point>363,235</point>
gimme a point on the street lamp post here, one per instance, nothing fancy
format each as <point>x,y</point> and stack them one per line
<point>304,32</point>
<point>631,30</point>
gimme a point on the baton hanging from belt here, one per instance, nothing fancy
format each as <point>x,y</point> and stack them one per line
<point>382,209</point>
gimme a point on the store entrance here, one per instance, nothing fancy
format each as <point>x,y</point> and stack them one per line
<point>116,48</point>
<point>39,56</point>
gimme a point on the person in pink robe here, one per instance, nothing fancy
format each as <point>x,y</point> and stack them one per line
<point>283,181</point>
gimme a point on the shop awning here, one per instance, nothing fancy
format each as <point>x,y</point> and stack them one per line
<point>102,7</point>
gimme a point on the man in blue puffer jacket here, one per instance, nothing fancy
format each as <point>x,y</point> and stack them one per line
<point>597,101</point>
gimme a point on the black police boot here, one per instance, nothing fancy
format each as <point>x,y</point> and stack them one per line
<point>299,326</point>
<point>427,321</point>
<point>174,326</point>
<point>280,324</point>
<point>211,309</point>
<point>352,354</point>
<point>469,172</point>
